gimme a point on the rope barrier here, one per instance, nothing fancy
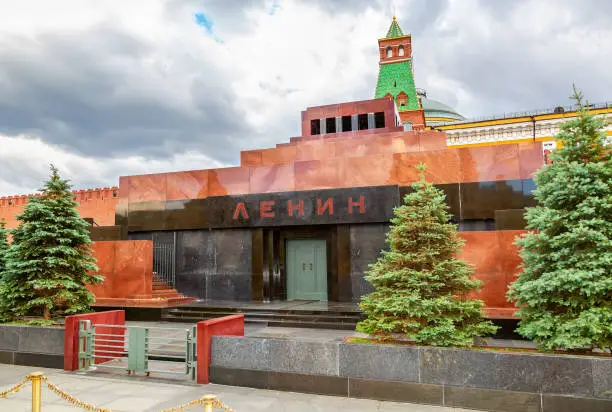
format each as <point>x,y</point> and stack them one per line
<point>15,388</point>
<point>209,401</point>
<point>72,399</point>
<point>221,405</point>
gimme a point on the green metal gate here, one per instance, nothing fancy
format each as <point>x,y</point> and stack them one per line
<point>137,349</point>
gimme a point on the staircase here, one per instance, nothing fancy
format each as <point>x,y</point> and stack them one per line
<point>316,319</point>
<point>169,294</point>
<point>164,292</point>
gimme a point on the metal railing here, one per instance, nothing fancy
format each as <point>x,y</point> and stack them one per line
<point>99,348</point>
<point>164,263</point>
<point>538,112</point>
<point>132,348</point>
<point>174,345</point>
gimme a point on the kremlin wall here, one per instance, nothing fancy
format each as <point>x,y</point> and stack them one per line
<point>98,204</point>
<point>303,220</point>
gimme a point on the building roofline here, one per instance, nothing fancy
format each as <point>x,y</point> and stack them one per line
<point>79,193</point>
<point>394,38</point>
<point>539,112</point>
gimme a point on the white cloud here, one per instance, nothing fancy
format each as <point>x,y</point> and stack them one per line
<point>25,165</point>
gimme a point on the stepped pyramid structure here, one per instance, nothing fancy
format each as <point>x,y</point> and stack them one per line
<point>303,220</point>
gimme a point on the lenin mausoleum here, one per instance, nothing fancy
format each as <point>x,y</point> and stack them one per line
<point>301,222</point>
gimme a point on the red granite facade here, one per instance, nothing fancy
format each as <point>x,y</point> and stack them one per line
<point>480,180</point>
<point>380,159</point>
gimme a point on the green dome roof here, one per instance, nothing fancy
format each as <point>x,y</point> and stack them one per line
<point>433,108</point>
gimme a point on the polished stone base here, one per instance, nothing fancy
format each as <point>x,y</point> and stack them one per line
<point>43,360</point>
<point>32,346</point>
<point>445,395</point>
<point>478,379</point>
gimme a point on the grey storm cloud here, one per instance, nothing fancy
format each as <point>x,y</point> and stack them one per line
<point>14,171</point>
<point>66,87</point>
<point>61,88</point>
<point>513,70</point>
<point>416,15</point>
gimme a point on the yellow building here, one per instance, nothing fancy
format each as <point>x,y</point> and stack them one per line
<point>540,125</point>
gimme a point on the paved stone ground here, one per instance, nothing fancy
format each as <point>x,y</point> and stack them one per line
<point>142,394</point>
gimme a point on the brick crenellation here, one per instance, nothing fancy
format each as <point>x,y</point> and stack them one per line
<point>80,196</point>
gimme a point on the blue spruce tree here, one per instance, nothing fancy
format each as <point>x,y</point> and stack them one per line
<point>49,261</point>
<point>565,289</point>
<point>421,287</point>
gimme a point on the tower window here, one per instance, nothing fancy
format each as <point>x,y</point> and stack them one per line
<point>379,120</point>
<point>400,51</point>
<point>394,84</point>
<point>389,52</point>
<point>315,127</point>
<point>330,125</point>
<point>362,121</point>
<point>347,125</point>
<point>402,99</point>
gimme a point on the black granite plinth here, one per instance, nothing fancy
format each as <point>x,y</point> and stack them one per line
<point>366,243</point>
<point>214,264</point>
<point>32,346</point>
<point>396,391</point>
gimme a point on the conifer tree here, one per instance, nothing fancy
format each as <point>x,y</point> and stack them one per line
<point>421,287</point>
<point>3,246</point>
<point>564,292</point>
<point>49,261</point>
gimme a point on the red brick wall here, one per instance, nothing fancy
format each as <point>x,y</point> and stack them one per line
<point>405,41</point>
<point>416,117</point>
<point>98,204</point>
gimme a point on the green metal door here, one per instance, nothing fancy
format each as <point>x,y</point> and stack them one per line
<point>306,269</point>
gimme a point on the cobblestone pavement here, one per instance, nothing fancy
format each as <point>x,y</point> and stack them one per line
<point>142,394</point>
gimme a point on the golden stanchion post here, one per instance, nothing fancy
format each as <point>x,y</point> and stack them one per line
<point>36,379</point>
<point>209,403</point>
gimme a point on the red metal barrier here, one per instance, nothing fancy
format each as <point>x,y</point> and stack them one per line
<point>228,325</point>
<point>71,333</point>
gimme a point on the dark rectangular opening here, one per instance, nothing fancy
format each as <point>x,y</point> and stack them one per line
<point>379,120</point>
<point>330,125</point>
<point>362,122</point>
<point>315,127</point>
<point>347,123</point>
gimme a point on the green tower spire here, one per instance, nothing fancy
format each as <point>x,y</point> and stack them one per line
<point>395,76</point>
<point>394,30</point>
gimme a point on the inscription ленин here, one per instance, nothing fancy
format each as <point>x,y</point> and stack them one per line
<point>325,206</point>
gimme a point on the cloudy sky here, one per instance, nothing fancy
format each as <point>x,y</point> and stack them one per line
<point>116,87</point>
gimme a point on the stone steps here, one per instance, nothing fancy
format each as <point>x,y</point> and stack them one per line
<point>166,293</point>
<point>267,317</point>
